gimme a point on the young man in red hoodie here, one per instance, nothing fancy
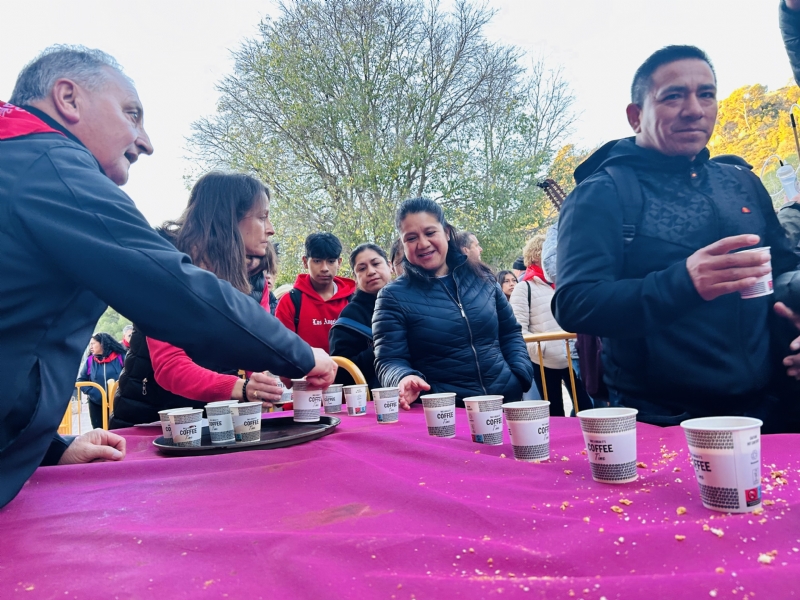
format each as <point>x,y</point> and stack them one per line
<point>318,297</point>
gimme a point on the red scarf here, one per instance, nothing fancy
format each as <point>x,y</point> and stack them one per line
<point>16,122</point>
<point>535,271</point>
<point>111,357</point>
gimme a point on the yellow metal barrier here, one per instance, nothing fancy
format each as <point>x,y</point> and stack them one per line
<point>538,338</point>
<point>112,391</point>
<point>349,366</point>
<point>66,423</point>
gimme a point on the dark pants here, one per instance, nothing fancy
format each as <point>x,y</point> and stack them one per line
<point>96,415</point>
<point>553,379</point>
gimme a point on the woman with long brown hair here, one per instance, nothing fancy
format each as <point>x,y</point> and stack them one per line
<point>225,229</point>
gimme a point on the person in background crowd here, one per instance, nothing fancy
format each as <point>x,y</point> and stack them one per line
<point>530,302</point>
<point>104,363</point>
<point>518,267</point>
<point>678,339</point>
<point>396,258</point>
<point>507,281</point>
<point>72,129</point>
<point>225,229</point>
<point>319,296</point>
<point>549,253</point>
<point>127,331</point>
<point>445,326</point>
<point>282,290</point>
<point>351,335</point>
<point>468,242</point>
<point>261,273</point>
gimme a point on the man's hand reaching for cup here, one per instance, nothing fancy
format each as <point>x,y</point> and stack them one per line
<point>717,270</point>
<point>410,387</point>
<point>324,371</point>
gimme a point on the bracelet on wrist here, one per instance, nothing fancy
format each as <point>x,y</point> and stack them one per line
<point>244,389</point>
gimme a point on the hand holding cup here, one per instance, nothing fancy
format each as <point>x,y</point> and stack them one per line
<point>717,270</point>
<point>263,388</point>
<point>324,371</point>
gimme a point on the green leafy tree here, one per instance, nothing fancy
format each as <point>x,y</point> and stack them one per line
<point>347,107</point>
<point>111,322</point>
<point>754,123</point>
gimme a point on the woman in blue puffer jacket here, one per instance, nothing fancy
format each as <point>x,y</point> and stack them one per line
<point>445,325</point>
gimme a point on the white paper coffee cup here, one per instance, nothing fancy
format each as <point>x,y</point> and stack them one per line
<point>485,415</point>
<point>307,402</point>
<point>166,426</point>
<point>332,399</point>
<point>246,421</point>
<point>356,398</point>
<point>763,285</point>
<point>387,404</point>
<point>187,427</point>
<point>440,414</point>
<point>220,422</point>
<point>529,429</point>
<point>726,455</point>
<point>610,436</point>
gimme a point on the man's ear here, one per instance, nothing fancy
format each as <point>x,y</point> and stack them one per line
<point>340,261</point>
<point>305,262</point>
<point>66,99</point>
<point>634,112</point>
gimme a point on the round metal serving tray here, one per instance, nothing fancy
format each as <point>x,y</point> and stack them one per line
<point>277,432</point>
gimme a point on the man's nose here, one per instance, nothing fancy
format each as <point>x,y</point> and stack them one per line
<point>692,108</point>
<point>143,142</point>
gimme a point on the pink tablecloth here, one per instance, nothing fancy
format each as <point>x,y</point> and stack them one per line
<point>384,511</point>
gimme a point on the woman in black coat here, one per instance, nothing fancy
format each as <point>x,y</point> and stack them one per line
<point>446,325</point>
<point>351,335</point>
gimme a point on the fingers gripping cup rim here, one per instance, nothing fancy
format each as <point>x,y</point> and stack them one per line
<point>763,285</point>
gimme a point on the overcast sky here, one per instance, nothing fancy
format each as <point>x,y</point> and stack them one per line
<point>176,51</point>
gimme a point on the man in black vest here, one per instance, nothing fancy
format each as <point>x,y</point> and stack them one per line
<point>647,255</point>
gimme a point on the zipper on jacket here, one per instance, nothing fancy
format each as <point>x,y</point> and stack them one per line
<point>144,386</point>
<point>457,300</point>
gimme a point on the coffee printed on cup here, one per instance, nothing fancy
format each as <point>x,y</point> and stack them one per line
<point>440,414</point>
<point>726,461</point>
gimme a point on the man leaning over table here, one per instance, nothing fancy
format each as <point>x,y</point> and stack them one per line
<point>678,340</point>
<point>73,127</point>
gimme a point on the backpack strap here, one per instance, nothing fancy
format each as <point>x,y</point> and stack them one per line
<point>297,299</point>
<point>529,295</point>
<point>630,195</point>
<point>354,325</point>
<point>89,366</point>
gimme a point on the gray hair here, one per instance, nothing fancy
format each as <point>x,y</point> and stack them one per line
<point>85,66</point>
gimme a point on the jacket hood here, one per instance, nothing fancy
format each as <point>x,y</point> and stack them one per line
<point>16,122</point>
<point>626,152</point>
<point>344,287</point>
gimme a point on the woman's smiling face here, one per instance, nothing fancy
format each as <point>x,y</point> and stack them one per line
<point>425,242</point>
